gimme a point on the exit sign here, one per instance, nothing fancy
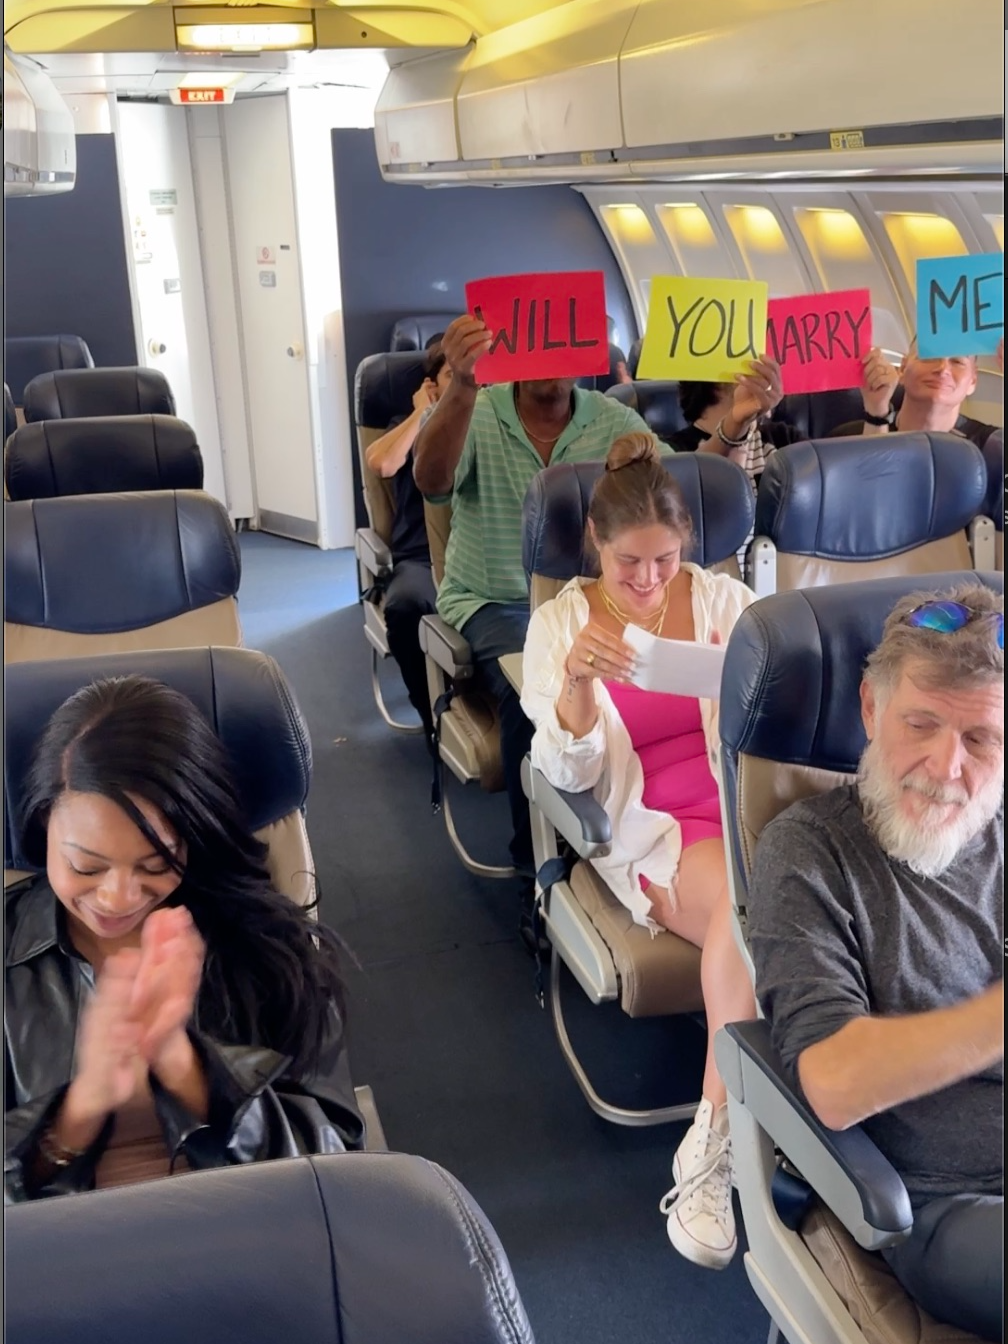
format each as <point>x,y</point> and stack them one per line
<point>207,95</point>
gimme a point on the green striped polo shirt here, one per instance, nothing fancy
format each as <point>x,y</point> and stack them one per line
<point>483,562</point>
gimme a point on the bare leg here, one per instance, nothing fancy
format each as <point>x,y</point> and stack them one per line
<point>702,916</point>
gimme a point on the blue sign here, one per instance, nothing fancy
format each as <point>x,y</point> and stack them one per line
<point>960,305</point>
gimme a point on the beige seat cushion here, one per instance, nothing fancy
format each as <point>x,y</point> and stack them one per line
<point>658,975</point>
<point>882,1310</point>
<point>215,624</point>
<point>379,497</point>
<point>934,557</point>
<point>476,726</point>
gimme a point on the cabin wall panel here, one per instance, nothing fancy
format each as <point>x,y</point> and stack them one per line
<point>65,260</point>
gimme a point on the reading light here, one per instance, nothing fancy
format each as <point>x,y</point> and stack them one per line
<point>245,36</point>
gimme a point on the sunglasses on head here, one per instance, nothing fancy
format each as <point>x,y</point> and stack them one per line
<point>947,617</point>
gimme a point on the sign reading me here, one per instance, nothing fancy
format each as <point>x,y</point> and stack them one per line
<point>819,340</point>
<point>703,330</point>
<point>543,325</point>
<point>960,305</point>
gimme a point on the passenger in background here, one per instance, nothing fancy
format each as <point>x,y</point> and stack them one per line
<point>933,393</point>
<point>732,418</point>
<point>876,920</point>
<point>165,1008</point>
<point>652,761</point>
<point>409,594</point>
<point>480,449</point>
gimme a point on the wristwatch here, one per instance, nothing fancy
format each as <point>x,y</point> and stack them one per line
<point>888,419</point>
<point>54,1152</point>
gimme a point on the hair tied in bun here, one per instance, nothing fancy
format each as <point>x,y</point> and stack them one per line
<point>631,449</point>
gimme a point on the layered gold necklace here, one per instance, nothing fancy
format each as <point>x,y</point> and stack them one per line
<point>652,626</point>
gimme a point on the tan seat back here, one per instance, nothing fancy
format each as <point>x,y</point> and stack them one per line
<point>93,574</point>
<point>383,389</point>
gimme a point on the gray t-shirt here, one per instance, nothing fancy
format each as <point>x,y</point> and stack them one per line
<point>839,930</point>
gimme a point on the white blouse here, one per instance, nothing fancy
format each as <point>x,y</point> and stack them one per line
<point>643,841</point>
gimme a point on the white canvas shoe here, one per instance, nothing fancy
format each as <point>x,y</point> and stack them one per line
<point>698,1208</point>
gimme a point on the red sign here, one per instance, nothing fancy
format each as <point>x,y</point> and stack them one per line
<point>201,96</point>
<point>547,325</point>
<point>819,340</point>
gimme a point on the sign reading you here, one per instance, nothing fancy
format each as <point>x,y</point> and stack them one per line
<point>543,325</point>
<point>960,305</point>
<point>819,340</point>
<point>703,330</point>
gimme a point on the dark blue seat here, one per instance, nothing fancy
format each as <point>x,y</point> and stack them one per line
<point>95,573</point>
<point>413,333</point>
<point>27,356</point>
<point>816,414</point>
<point>10,414</point>
<point>656,401</point>
<point>102,454</point>
<point>363,1248</point>
<point>791,727</point>
<point>66,394</point>
<point>834,510</point>
<point>993,452</point>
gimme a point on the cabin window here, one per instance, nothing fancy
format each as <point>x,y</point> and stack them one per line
<point>997,224</point>
<point>691,237</point>
<point>917,235</point>
<point>766,253</point>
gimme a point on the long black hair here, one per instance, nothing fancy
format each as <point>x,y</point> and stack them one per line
<point>272,975</point>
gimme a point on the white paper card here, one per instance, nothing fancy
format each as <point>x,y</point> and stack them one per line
<point>676,666</point>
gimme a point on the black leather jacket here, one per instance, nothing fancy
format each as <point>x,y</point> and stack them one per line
<point>258,1109</point>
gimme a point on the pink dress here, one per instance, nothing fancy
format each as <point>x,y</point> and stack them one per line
<point>667,734</point>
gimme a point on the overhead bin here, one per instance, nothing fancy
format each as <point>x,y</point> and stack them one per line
<point>40,147</point>
<point>607,89</point>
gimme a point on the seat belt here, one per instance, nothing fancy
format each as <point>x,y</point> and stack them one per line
<point>557,869</point>
<point>441,705</point>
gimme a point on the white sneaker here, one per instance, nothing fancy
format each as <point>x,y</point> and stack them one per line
<point>701,1224</point>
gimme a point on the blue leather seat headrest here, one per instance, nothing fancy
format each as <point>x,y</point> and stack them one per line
<point>242,693</point>
<point>718,497</point>
<point>633,357</point>
<point>10,414</point>
<point>816,414</point>
<point>146,558</point>
<point>812,496</point>
<point>993,452</point>
<point>361,1248</point>
<point>790,690</point>
<point>656,401</point>
<point>384,387</point>
<point>413,333</point>
<point>68,393</point>
<point>27,356</point>
<point>102,454</point>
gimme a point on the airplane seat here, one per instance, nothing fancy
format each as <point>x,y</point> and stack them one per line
<point>10,414</point>
<point>27,356</point>
<point>602,382</point>
<point>611,957</point>
<point>656,401</point>
<point>383,389</point>
<point>791,728</point>
<point>89,574</point>
<point>364,1248</point>
<point>413,333</point>
<point>838,510</point>
<point>101,455</point>
<point>64,394</point>
<point>252,708</point>
<point>816,414</point>
<point>993,452</point>
<point>633,357</point>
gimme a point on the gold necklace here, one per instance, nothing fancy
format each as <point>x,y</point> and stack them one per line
<point>538,437</point>
<point>654,624</point>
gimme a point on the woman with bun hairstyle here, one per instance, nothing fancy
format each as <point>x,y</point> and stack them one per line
<point>651,760</point>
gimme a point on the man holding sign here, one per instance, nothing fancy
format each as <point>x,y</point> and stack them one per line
<point>480,449</point>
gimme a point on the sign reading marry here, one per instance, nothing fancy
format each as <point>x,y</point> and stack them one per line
<point>960,305</point>
<point>819,340</point>
<point>545,325</point>
<point>702,330</point>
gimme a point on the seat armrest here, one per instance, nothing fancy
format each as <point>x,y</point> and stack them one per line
<point>443,644</point>
<point>372,552</point>
<point>844,1167</point>
<point>579,817</point>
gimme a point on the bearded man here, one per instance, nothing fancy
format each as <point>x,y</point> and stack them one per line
<point>876,918</point>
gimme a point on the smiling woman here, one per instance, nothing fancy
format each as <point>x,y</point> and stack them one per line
<point>158,989</point>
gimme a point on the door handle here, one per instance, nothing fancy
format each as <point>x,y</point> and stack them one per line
<point>156,347</point>
<point>295,350</point>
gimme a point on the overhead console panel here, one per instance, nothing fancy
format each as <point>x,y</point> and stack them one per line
<point>621,89</point>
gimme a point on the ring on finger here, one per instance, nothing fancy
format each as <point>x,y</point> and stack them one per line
<point>590,659</point>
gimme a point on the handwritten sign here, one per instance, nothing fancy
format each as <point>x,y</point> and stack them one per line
<point>546,325</point>
<point>819,339</point>
<point>960,305</point>
<point>705,330</point>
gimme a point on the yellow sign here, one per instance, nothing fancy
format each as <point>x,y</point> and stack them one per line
<point>703,330</point>
<point>846,140</point>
